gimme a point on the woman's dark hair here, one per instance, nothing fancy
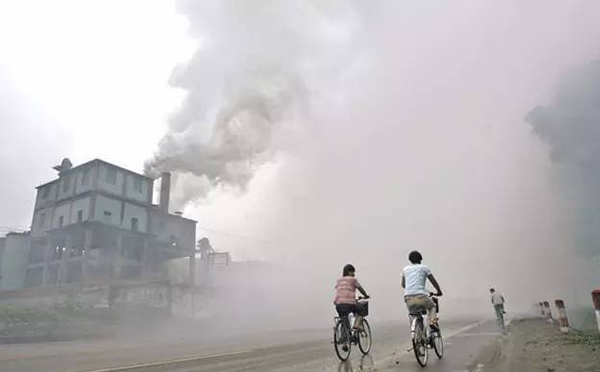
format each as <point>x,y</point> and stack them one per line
<point>415,257</point>
<point>347,269</point>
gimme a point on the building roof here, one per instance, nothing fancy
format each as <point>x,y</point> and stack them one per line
<point>156,211</point>
<point>80,166</point>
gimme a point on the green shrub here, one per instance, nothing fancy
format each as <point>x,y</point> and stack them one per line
<point>11,314</point>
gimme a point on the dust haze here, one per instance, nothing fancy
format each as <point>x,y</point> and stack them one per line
<point>319,133</point>
<point>346,132</point>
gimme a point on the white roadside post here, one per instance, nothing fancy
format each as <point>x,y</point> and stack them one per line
<point>548,312</point>
<point>541,309</point>
<point>563,321</point>
<point>596,299</point>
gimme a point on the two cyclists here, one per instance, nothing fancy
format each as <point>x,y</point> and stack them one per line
<point>414,279</point>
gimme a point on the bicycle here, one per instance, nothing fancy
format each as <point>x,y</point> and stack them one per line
<point>344,336</point>
<point>422,337</point>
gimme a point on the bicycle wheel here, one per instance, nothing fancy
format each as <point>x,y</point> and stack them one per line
<point>438,343</point>
<point>420,343</point>
<point>341,340</point>
<point>364,338</point>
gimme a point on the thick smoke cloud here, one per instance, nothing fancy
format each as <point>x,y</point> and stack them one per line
<point>570,126</point>
<point>249,86</point>
<point>394,126</point>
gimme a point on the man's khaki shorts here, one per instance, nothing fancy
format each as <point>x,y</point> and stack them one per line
<point>419,301</point>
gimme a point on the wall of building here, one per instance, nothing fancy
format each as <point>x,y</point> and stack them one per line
<point>61,212</point>
<point>174,229</point>
<point>46,195</point>
<point>80,205</point>
<point>49,218</point>
<point>108,210</point>
<point>134,211</point>
<point>67,186</point>
<point>52,200</point>
<point>138,188</point>
<point>158,294</point>
<point>184,231</point>
<point>14,261</point>
<point>42,220</point>
<point>84,179</point>
<point>101,192</point>
<point>111,180</point>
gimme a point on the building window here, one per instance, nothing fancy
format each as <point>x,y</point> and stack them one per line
<point>137,184</point>
<point>61,221</point>
<point>111,176</point>
<point>42,220</point>
<point>46,192</point>
<point>85,178</point>
<point>79,216</point>
<point>65,184</point>
<point>107,216</point>
<point>134,224</point>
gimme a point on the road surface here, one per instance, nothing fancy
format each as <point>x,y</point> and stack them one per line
<point>468,347</point>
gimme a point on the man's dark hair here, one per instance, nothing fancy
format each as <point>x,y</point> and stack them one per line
<point>492,290</point>
<point>415,257</point>
<point>347,269</point>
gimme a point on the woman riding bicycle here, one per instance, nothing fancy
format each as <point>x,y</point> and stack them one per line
<point>345,295</point>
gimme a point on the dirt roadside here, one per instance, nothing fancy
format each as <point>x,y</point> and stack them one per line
<point>533,345</point>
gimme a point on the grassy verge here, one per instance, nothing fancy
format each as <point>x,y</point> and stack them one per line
<point>536,346</point>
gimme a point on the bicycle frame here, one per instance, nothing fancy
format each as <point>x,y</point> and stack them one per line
<point>413,324</point>
<point>346,323</point>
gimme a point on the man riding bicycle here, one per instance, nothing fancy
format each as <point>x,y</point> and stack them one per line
<point>498,303</point>
<point>414,279</point>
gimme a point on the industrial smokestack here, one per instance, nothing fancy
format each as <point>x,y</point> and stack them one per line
<point>165,191</point>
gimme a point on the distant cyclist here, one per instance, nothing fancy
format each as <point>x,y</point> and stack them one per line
<point>414,278</point>
<point>345,295</point>
<point>498,302</point>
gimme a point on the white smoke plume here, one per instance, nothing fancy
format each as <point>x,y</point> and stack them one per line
<point>249,85</point>
<point>394,126</point>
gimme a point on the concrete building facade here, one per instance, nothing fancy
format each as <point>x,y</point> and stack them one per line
<point>13,260</point>
<point>96,223</point>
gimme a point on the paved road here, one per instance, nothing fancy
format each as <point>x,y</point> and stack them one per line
<point>468,346</point>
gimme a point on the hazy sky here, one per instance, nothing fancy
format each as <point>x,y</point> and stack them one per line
<point>411,132</point>
<point>82,79</point>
